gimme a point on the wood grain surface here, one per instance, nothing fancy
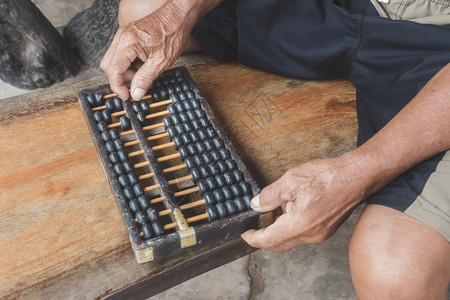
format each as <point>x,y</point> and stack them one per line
<point>61,234</point>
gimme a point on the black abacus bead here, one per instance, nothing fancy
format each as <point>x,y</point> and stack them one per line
<point>202,186</point>
<point>200,147</point>
<point>106,136</point>
<point>174,96</point>
<point>128,192</point>
<point>185,139</point>
<point>102,126</point>
<point>132,178</point>
<point>199,113</point>
<point>236,189</point>
<point>141,217</point>
<point>118,168</point>
<point>147,232</point>
<point>231,164</point>
<point>145,108</point>
<point>127,166</point>
<point>204,122</point>
<point>208,144</point>
<point>207,158</point>
<point>118,103</point>
<point>218,195</point>
<point>198,159</point>
<point>190,163</point>
<point>163,94</point>
<point>245,187</point>
<point>175,119</point>
<point>138,191</point>
<point>179,107</point>
<point>135,106</point>
<point>91,100</point>
<point>110,146</point>
<point>183,117</point>
<point>177,142</point>
<point>222,166</point>
<point>143,202</point>
<point>140,116</point>
<point>191,114</point>
<point>194,136</point>
<point>123,156</point>
<point>123,180</point>
<point>167,122</point>
<point>238,176</point>
<point>220,180</point>
<point>212,213</point>
<point>196,175</point>
<point>182,97</point>
<point>204,171</point>
<point>97,116</point>
<point>114,134</point>
<point>114,157</point>
<point>179,128</point>
<point>188,127</point>
<point>211,183</point>
<point>209,198</point>
<point>247,199</point>
<point>183,152</point>
<point>157,228</point>
<point>169,90</point>
<point>171,131</point>
<point>119,144</point>
<point>240,204</point>
<point>152,214</point>
<point>155,96</point>
<point>224,153</point>
<point>228,194</point>
<point>202,135</point>
<point>195,104</point>
<point>211,132</point>
<point>196,125</point>
<point>218,143</point>
<point>172,109</point>
<point>229,178</point>
<point>192,149</point>
<point>98,99</point>
<point>185,86</point>
<point>106,116</point>
<point>134,205</point>
<point>110,105</point>
<point>187,104</point>
<point>231,207</point>
<point>215,155</point>
<point>213,169</point>
<point>222,210</point>
<point>190,95</point>
<point>125,123</point>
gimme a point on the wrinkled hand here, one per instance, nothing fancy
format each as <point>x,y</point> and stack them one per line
<point>143,49</point>
<point>315,199</point>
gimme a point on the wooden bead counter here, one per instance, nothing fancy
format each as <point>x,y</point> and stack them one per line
<point>61,232</point>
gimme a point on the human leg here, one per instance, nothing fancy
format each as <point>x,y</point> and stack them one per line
<point>395,256</point>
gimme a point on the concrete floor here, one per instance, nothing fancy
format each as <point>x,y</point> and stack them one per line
<point>307,272</point>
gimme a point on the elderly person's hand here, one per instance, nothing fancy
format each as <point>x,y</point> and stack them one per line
<point>314,199</point>
<point>142,49</point>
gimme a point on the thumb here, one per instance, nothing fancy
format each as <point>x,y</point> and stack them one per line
<point>270,198</point>
<point>142,80</point>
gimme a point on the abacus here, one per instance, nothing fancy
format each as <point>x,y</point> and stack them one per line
<point>177,180</point>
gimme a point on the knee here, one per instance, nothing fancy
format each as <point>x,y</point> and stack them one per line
<point>389,263</point>
<point>133,10</point>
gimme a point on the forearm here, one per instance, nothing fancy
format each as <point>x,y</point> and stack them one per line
<point>419,131</point>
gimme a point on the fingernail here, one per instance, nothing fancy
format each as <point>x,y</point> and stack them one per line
<point>255,202</point>
<point>138,93</point>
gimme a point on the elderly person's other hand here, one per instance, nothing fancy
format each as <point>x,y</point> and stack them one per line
<point>142,49</point>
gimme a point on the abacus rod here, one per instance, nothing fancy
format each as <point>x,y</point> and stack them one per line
<point>177,194</point>
<point>157,114</point>
<point>173,181</point>
<point>150,138</point>
<point>167,170</point>
<point>158,147</point>
<point>189,220</point>
<point>183,207</point>
<point>159,159</point>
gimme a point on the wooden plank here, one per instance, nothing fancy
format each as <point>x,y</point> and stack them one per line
<point>61,235</point>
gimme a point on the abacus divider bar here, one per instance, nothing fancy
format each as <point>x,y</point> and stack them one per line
<point>169,202</point>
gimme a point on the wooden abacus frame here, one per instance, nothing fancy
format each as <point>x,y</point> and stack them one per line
<point>185,236</point>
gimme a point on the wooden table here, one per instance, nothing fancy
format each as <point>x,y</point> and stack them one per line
<point>61,234</point>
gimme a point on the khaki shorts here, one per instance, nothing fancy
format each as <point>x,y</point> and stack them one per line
<point>432,12</point>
